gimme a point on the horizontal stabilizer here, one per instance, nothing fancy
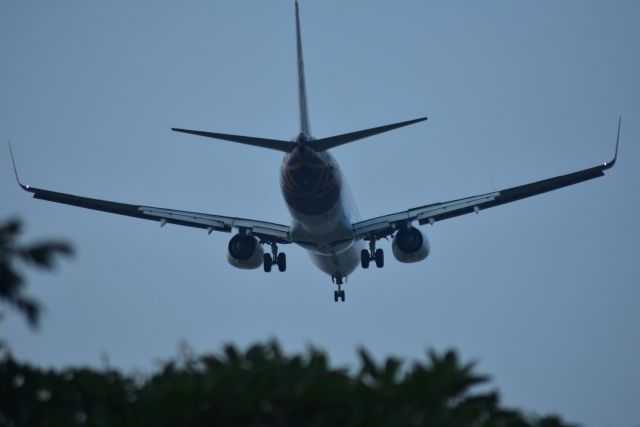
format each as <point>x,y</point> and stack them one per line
<point>334,141</point>
<point>273,144</point>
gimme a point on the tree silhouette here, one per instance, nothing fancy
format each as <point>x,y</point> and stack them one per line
<point>12,283</point>
<point>259,387</point>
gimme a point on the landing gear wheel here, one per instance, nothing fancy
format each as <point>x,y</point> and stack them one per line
<point>379,258</point>
<point>365,258</point>
<point>282,261</point>
<point>373,254</point>
<point>338,294</point>
<point>267,262</point>
<point>274,258</point>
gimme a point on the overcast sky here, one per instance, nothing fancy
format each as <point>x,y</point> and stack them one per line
<point>543,293</point>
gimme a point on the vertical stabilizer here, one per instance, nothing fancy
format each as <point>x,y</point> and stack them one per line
<point>305,128</point>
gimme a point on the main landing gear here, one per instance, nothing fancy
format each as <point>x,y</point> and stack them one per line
<point>274,258</point>
<point>339,294</point>
<point>373,254</point>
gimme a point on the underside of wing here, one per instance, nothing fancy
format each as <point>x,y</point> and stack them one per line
<point>266,231</point>
<point>387,225</point>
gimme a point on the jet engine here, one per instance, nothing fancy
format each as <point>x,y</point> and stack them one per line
<point>244,252</point>
<point>410,245</point>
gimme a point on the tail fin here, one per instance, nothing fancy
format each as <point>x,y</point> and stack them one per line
<point>305,127</point>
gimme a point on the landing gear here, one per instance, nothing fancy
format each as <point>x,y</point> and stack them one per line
<point>339,294</point>
<point>373,254</point>
<point>274,258</point>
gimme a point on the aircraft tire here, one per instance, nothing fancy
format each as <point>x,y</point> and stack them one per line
<point>379,258</point>
<point>282,261</point>
<point>267,262</point>
<point>365,258</point>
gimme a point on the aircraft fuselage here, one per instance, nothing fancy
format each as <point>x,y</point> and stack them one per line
<point>322,208</point>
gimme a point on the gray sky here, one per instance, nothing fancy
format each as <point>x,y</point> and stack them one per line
<point>543,292</point>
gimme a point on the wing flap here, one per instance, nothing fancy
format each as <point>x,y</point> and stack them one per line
<point>186,218</point>
<point>221,223</point>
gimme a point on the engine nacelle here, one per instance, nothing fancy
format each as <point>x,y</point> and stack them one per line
<point>245,252</point>
<point>410,245</point>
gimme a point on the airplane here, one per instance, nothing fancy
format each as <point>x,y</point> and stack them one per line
<point>325,220</point>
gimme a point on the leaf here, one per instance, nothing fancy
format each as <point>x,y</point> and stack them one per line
<point>12,284</point>
<point>44,254</point>
<point>369,368</point>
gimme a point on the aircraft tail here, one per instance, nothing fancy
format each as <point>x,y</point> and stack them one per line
<point>280,145</point>
<point>305,127</point>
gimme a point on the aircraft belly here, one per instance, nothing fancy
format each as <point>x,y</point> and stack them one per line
<point>341,264</point>
<point>329,240</point>
<point>326,234</point>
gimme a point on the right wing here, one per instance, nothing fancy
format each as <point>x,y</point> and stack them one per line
<point>387,225</point>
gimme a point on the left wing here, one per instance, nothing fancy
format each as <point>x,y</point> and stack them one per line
<point>267,232</point>
<point>386,225</point>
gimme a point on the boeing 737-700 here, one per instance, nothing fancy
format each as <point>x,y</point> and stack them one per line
<point>324,216</point>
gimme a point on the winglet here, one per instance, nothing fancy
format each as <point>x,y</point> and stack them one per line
<point>608,165</point>
<point>15,170</point>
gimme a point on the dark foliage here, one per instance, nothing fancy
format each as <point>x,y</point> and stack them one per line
<point>12,283</point>
<point>258,387</point>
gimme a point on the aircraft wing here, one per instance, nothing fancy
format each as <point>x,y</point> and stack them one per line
<point>387,225</point>
<point>266,231</point>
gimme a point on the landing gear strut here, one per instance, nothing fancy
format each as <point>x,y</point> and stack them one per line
<point>339,294</point>
<point>274,258</point>
<point>373,254</point>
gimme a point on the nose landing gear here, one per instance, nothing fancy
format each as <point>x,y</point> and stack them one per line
<point>373,254</point>
<point>274,258</point>
<point>339,294</point>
